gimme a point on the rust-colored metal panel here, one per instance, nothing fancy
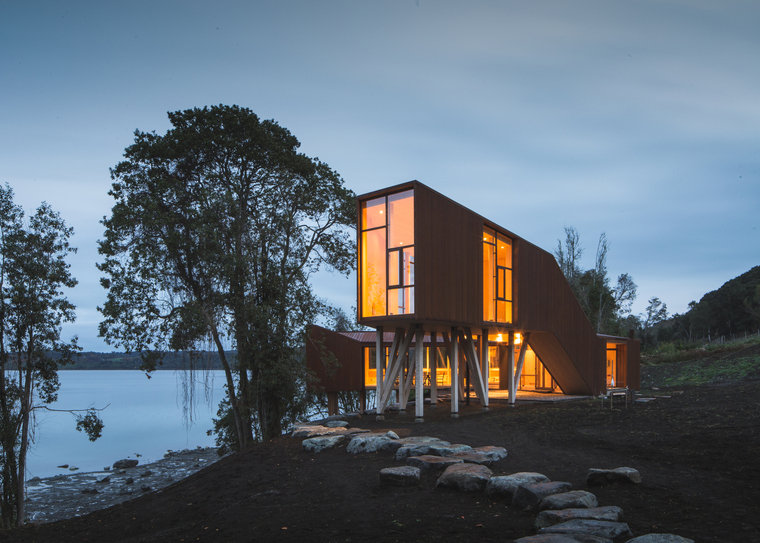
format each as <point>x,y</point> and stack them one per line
<point>556,360</point>
<point>447,271</point>
<point>634,364</point>
<point>347,351</point>
<point>547,303</point>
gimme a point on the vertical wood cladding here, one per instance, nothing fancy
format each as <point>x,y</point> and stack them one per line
<point>448,251</point>
<point>350,374</point>
<point>570,350</point>
<point>634,364</point>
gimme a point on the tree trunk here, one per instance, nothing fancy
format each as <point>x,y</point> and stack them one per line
<point>230,388</point>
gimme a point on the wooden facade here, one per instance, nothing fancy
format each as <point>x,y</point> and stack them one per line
<point>448,261</point>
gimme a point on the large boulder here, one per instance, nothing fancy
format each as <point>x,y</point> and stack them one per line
<point>529,496</point>
<point>569,500</point>
<point>336,424</point>
<point>318,430</point>
<point>600,528</point>
<point>125,463</point>
<point>597,477</point>
<point>473,458</point>
<point>550,517</point>
<point>563,538</point>
<point>494,453</point>
<point>368,443</point>
<point>400,476</point>
<point>411,448</point>
<point>503,487</point>
<point>660,538</point>
<point>448,449</point>
<point>465,477</point>
<point>428,462</point>
<point>320,443</point>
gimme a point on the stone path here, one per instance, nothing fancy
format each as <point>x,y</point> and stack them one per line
<point>564,515</point>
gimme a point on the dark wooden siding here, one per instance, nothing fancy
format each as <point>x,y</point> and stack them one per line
<point>568,345</point>
<point>634,364</point>
<point>350,374</point>
<point>448,252</point>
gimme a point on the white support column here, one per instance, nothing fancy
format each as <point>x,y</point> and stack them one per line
<point>521,359</point>
<point>473,363</point>
<point>433,370</point>
<point>419,393</point>
<point>454,358</point>
<point>511,367</point>
<point>379,369</point>
<point>395,365</point>
<point>485,364</point>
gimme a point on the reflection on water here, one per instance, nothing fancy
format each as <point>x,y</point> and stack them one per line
<point>144,416</point>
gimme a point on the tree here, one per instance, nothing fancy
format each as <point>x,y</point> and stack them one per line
<point>216,229</point>
<point>606,307</point>
<point>33,270</point>
<point>656,312</point>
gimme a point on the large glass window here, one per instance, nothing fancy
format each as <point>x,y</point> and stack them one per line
<point>387,255</point>
<point>497,277</point>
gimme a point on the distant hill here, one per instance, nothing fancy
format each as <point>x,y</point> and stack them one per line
<point>730,311</point>
<point>132,361</point>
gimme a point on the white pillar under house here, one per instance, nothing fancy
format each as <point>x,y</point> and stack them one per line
<point>454,357</point>
<point>419,394</point>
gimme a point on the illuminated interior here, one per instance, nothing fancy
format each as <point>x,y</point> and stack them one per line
<point>387,255</point>
<point>497,277</point>
<point>443,371</point>
<point>616,364</point>
<point>534,375</point>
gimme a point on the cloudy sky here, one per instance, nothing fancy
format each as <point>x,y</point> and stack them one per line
<point>638,119</point>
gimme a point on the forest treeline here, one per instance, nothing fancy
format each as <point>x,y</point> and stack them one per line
<point>133,361</point>
<point>730,311</point>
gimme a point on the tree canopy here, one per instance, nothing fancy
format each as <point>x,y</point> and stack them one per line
<point>216,228</point>
<point>606,306</point>
<point>33,272</point>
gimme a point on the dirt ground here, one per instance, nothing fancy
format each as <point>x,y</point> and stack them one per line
<point>698,452</point>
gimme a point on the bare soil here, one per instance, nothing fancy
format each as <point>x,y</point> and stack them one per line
<point>698,452</point>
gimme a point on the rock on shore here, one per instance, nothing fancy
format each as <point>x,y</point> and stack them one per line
<point>66,496</point>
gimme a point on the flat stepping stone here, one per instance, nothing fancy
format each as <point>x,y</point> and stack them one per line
<point>598,477</point>
<point>473,458</point>
<point>465,477</point>
<point>660,538</point>
<point>601,528</point>
<point>368,443</point>
<point>568,500</point>
<point>563,538</point>
<point>320,443</point>
<point>336,424</point>
<point>504,486</point>
<point>549,517</point>
<point>529,496</point>
<point>313,431</point>
<point>400,476</point>
<point>448,450</point>
<point>416,449</point>
<point>429,462</point>
<point>494,453</point>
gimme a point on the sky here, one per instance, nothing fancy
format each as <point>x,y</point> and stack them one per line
<point>637,119</point>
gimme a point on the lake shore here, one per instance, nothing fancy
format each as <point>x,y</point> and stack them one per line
<point>71,495</point>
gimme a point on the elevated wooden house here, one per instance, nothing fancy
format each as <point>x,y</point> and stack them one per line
<point>447,292</point>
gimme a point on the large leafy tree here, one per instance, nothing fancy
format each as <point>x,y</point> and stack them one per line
<point>216,228</point>
<point>33,272</point>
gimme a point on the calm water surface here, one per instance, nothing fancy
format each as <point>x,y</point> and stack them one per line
<point>144,416</point>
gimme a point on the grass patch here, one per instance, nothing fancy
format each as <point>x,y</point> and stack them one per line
<point>700,372</point>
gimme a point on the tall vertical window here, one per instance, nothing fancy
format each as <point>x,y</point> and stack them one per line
<point>497,277</point>
<point>387,255</point>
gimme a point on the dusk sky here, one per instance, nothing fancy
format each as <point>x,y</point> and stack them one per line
<point>638,119</point>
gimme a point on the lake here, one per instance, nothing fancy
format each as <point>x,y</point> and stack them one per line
<point>144,416</point>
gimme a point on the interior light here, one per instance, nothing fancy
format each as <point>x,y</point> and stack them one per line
<point>518,339</point>
<point>499,338</point>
